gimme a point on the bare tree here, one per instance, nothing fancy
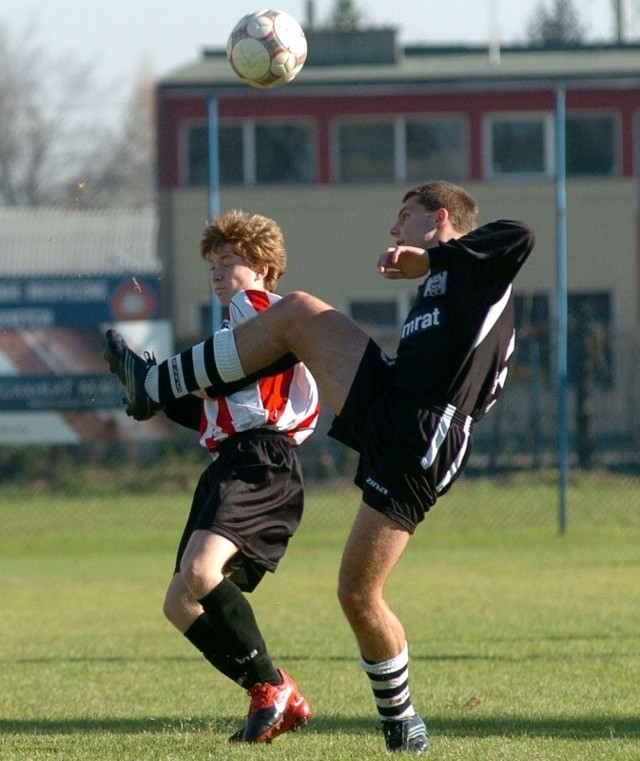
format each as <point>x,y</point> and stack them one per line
<point>558,25</point>
<point>56,147</point>
<point>619,7</point>
<point>120,172</point>
<point>345,17</point>
<point>626,20</point>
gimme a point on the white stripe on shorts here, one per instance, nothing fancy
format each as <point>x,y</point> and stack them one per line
<point>455,465</point>
<point>440,434</point>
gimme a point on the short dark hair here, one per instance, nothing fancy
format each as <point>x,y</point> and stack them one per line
<point>438,194</point>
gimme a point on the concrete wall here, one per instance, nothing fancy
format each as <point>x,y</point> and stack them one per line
<point>334,235</point>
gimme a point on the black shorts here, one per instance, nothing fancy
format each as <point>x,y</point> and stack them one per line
<point>252,494</point>
<point>411,451</point>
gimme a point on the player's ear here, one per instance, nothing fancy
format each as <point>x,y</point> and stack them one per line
<point>442,215</point>
<point>262,270</point>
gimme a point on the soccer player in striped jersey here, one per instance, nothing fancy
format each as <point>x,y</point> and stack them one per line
<point>410,418</point>
<point>249,500</point>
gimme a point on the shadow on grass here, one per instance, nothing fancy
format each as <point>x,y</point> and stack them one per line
<point>556,727</point>
<point>102,659</point>
<point>434,657</point>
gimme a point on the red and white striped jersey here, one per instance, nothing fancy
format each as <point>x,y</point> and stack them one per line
<point>287,402</point>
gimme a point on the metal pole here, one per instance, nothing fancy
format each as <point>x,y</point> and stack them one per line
<point>561,305</point>
<point>214,189</point>
<point>494,32</point>
<point>619,17</point>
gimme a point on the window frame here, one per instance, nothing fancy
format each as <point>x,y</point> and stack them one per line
<point>361,120</point>
<point>248,129</point>
<point>545,118</point>
<point>455,116</point>
<point>548,121</point>
<point>401,299</point>
<point>616,119</point>
<point>398,124</point>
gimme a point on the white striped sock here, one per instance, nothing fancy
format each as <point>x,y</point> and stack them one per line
<point>389,681</point>
<point>151,383</point>
<point>226,356</point>
<point>197,356</point>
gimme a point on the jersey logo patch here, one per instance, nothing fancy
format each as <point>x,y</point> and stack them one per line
<point>436,284</point>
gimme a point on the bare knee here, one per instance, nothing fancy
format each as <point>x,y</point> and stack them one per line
<point>191,579</point>
<point>354,601</point>
<point>177,608</point>
<point>199,581</point>
<point>302,302</point>
<point>170,608</point>
<point>298,307</point>
<point>180,607</point>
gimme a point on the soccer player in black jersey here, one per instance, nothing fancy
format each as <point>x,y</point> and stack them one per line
<point>411,418</point>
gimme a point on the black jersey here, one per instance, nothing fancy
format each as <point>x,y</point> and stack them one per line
<point>459,335</point>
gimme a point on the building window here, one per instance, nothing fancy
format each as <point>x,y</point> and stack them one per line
<point>436,148</point>
<point>284,154</point>
<point>519,146</point>
<point>251,153</point>
<point>231,154</point>
<point>366,152</point>
<point>589,338</point>
<point>532,360</point>
<point>197,156</point>
<point>522,146</point>
<point>590,145</point>
<point>381,317</point>
<point>401,150</point>
<point>379,313</point>
<point>589,343</point>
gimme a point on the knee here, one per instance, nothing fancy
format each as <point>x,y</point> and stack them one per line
<point>173,608</point>
<point>194,580</point>
<point>300,305</point>
<point>353,600</point>
<point>200,578</point>
<point>180,608</point>
<point>297,300</point>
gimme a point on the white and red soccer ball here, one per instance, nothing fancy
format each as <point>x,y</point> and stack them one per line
<point>267,48</point>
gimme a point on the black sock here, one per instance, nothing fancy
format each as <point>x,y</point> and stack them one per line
<point>230,613</point>
<point>213,645</point>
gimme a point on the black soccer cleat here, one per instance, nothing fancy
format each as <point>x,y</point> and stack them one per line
<point>237,737</point>
<point>408,735</point>
<point>131,371</point>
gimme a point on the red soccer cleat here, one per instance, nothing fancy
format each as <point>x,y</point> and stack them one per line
<point>274,709</point>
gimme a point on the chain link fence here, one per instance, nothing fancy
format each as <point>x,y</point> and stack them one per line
<point>517,439</point>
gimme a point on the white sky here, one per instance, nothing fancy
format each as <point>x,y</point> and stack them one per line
<point>118,37</point>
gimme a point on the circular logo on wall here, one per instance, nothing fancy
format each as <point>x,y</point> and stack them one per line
<point>133,300</point>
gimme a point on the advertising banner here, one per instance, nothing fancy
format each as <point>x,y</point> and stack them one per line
<point>55,385</point>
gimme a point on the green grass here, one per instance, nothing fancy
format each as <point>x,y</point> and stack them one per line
<point>525,644</point>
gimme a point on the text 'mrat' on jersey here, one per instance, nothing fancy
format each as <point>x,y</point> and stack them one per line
<point>458,338</point>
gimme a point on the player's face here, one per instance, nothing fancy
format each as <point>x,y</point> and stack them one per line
<point>229,274</point>
<point>415,225</point>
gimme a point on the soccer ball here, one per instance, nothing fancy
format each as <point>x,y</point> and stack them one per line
<point>267,48</point>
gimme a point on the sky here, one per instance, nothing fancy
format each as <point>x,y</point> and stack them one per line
<point>121,38</point>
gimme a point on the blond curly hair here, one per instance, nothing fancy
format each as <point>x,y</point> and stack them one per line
<point>257,239</point>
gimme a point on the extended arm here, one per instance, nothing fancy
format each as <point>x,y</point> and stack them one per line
<point>404,262</point>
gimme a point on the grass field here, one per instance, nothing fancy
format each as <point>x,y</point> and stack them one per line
<point>525,644</point>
